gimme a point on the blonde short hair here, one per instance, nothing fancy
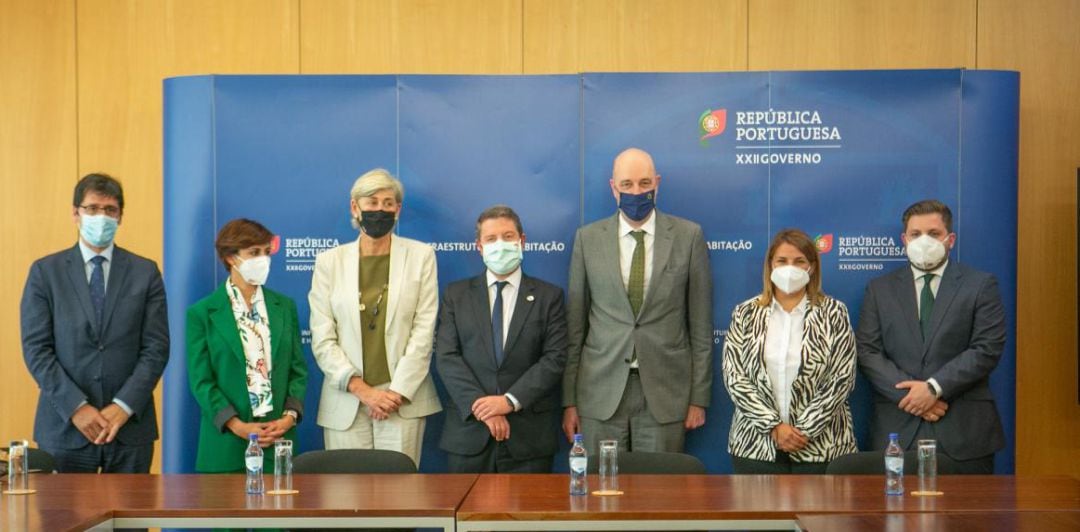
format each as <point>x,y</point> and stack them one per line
<point>375,181</point>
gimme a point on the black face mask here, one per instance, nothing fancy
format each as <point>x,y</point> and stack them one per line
<point>377,223</point>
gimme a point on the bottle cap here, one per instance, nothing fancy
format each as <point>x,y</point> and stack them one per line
<point>893,435</point>
<point>579,437</point>
<point>253,436</point>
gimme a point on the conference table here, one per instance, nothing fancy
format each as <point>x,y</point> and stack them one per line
<point>541,502</point>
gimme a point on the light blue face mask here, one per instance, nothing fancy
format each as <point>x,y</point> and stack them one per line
<point>502,257</point>
<point>98,230</point>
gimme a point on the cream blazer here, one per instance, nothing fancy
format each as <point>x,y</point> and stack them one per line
<point>411,311</point>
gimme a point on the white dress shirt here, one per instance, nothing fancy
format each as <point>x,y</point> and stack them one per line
<point>509,294</point>
<point>783,352</point>
<point>935,283</point>
<point>88,254</point>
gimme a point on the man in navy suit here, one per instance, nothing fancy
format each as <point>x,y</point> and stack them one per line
<point>929,336</point>
<point>95,337</point>
<point>500,351</point>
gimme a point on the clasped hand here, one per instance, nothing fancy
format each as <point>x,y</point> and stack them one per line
<point>267,431</point>
<point>920,401</point>
<point>99,426</point>
<point>788,438</point>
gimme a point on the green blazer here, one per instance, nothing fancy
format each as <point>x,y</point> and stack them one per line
<point>218,378</point>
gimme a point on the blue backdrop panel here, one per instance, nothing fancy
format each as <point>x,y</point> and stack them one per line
<point>660,114</point>
<point>871,185</point>
<point>837,154</point>
<point>283,150</point>
<point>986,213</point>
<point>189,261</point>
<point>468,143</point>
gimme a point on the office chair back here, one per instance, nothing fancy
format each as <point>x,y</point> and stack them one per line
<point>353,461</point>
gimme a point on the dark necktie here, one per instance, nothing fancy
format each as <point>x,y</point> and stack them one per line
<point>926,304</point>
<point>636,287</point>
<point>97,289</point>
<point>497,322</point>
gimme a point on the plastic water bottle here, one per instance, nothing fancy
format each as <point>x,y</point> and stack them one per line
<point>579,464</point>
<point>894,467</point>
<point>253,462</point>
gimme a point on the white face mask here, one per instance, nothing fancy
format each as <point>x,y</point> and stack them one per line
<point>789,279</point>
<point>502,257</point>
<point>926,252</point>
<point>254,270</point>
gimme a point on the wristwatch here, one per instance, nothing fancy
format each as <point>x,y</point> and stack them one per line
<point>510,402</point>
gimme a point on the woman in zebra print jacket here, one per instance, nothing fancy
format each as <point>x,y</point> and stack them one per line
<point>789,366</point>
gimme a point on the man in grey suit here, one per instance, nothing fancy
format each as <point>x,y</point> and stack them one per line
<point>639,365</point>
<point>500,351</point>
<point>929,336</point>
<point>95,337</point>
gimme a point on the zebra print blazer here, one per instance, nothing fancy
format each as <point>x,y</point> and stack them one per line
<point>819,395</point>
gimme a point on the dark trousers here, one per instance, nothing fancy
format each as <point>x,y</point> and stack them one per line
<point>112,457</point>
<point>496,458</point>
<point>783,465</point>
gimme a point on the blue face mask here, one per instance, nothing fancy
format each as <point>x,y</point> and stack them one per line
<point>502,257</point>
<point>98,230</point>
<point>637,206</point>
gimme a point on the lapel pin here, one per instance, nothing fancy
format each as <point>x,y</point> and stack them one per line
<point>529,298</point>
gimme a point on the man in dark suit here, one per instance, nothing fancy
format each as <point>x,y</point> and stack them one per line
<point>500,351</point>
<point>929,336</point>
<point>95,337</point>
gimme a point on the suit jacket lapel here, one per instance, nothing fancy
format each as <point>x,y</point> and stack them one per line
<point>522,308</point>
<point>609,247</point>
<point>398,256</point>
<point>950,285</point>
<point>276,319</point>
<point>904,291</point>
<point>221,315</point>
<point>481,311</point>
<point>351,285</point>
<point>80,286</point>
<point>118,272</point>
<point>761,380</point>
<point>662,243</point>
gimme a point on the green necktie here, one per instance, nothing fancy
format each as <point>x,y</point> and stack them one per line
<point>636,287</point>
<point>926,304</point>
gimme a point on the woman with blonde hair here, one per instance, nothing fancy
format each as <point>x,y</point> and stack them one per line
<point>789,366</point>
<point>373,308</point>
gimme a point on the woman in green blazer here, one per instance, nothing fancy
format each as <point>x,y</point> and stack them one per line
<point>245,365</point>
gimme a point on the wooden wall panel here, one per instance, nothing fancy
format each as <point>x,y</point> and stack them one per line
<point>567,36</point>
<point>411,36</point>
<point>233,37</point>
<point>125,49</point>
<point>857,34</point>
<point>459,36</point>
<point>121,51</point>
<point>1040,39</point>
<point>348,36</point>
<point>38,165</point>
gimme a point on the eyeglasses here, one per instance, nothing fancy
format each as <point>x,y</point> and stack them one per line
<point>375,311</point>
<point>94,210</point>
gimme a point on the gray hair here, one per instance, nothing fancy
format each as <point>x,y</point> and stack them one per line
<point>375,181</point>
<point>372,182</point>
